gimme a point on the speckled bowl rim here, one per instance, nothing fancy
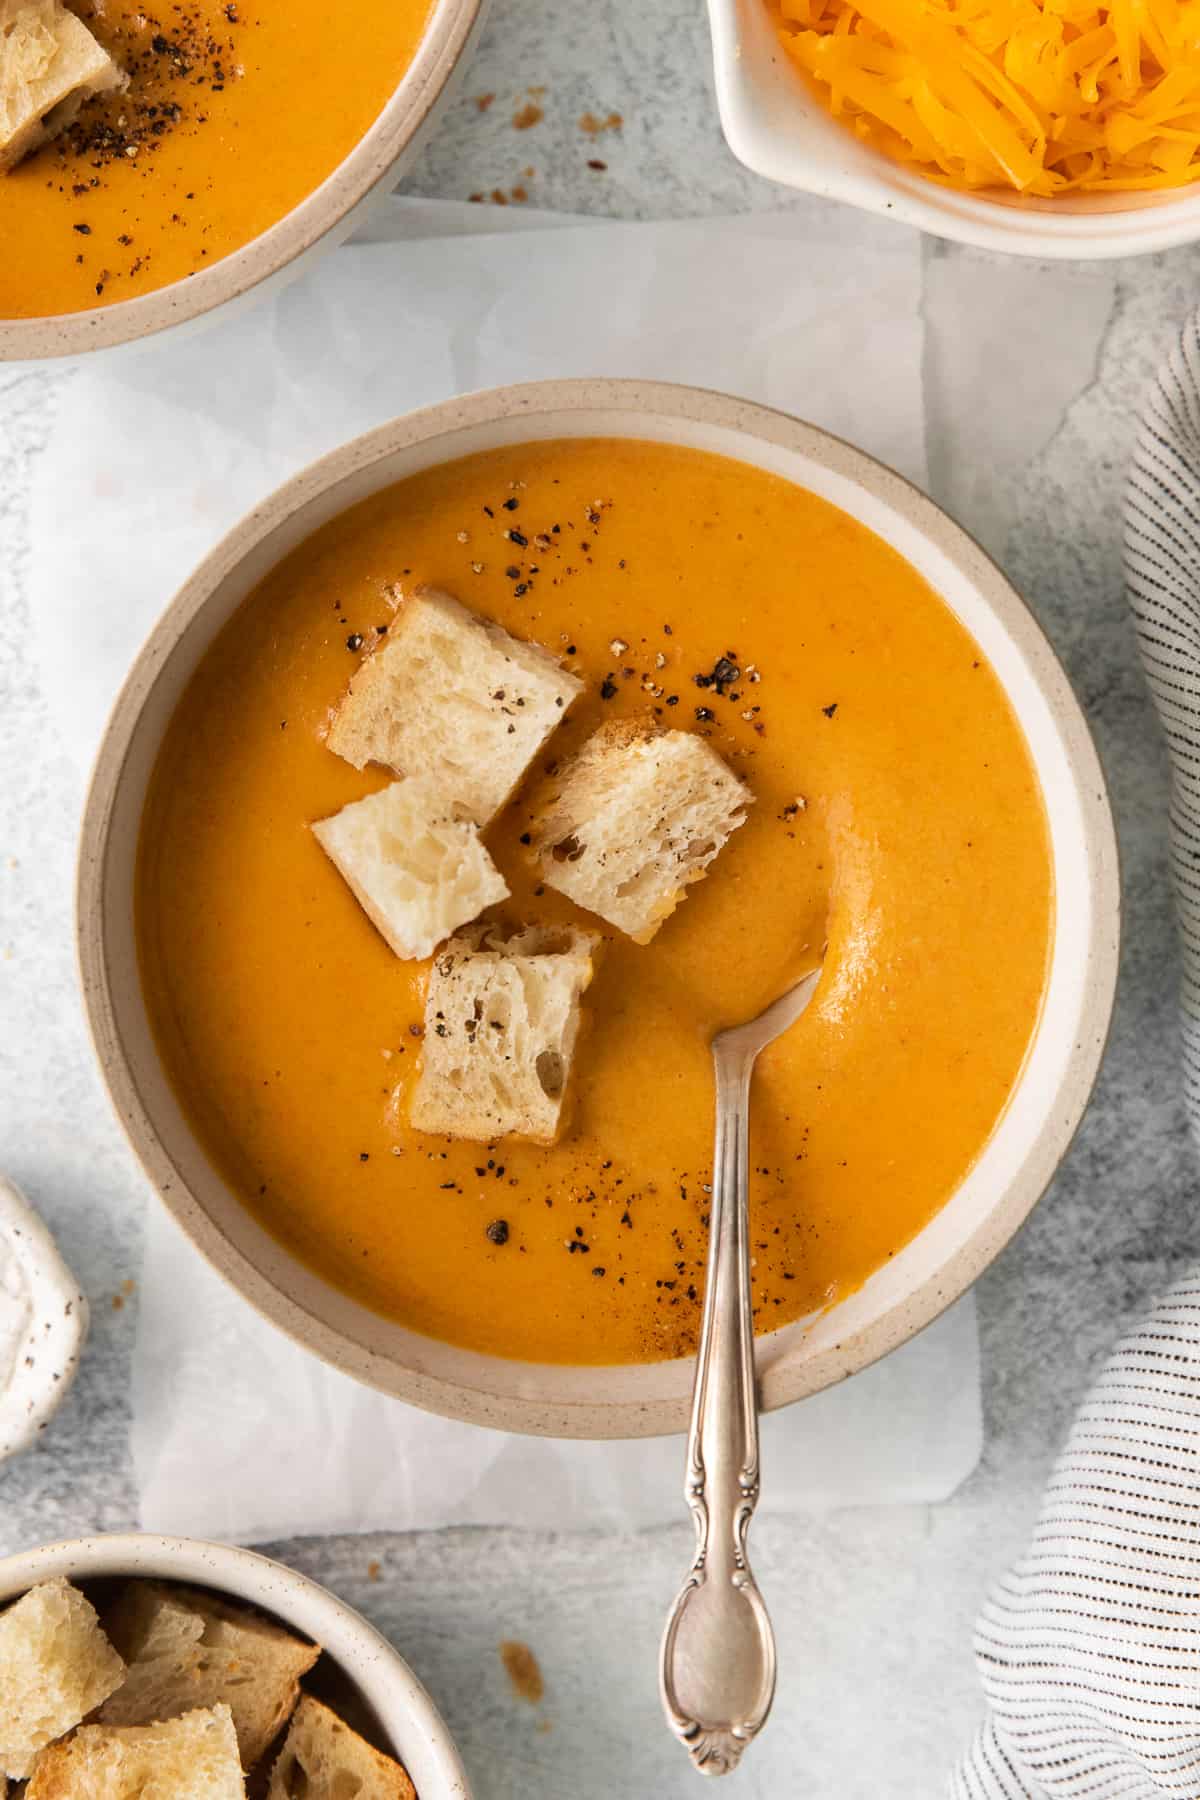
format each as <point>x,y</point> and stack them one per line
<point>408,1716</point>
<point>605,1400</point>
<point>309,229</point>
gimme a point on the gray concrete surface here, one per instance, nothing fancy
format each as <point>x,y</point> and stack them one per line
<point>1032,379</point>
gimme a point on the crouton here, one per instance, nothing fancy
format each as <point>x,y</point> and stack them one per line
<point>634,818</point>
<point>49,65</point>
<point>56,1665</point>
<point>501,1021</point>
<point>417,871</point>
<point>453,697</point>
<point>186,1648</point>
<point>193,1757</point>
<point>324,1760</point>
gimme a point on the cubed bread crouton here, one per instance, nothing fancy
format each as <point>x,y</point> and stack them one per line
<point>453,697</point>
<point>49,65</point>
<point>417,871</point>
<point>194,1757</point>
<point>186,1648</point>
<point>56,1665</point>
<point>501,1020</point>
<point>322,1759</point>
<point>634,818</point>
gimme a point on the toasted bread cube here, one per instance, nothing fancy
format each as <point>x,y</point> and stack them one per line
<point>634,818</point>
<point>49,65</point>
<point>417,871</point>
<point>324,1760</point>
<point>186,1648</point>
<point>501,1020</point>
<point>453,697</point>
<point>194,1757</point>
<point>56,1665</point>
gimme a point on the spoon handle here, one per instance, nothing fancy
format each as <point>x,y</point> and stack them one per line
<point>718,1653</point>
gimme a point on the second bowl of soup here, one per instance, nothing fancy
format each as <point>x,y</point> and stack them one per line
<point>920,801</point>
<point>237,140</point>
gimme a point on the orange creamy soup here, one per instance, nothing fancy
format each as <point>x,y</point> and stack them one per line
<point>896,813</point>
<point>235,111</point>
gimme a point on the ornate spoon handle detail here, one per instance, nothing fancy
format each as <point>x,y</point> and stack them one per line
<point>718,1652</point>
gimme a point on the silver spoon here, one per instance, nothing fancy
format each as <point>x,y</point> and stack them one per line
<point>717,1677</point>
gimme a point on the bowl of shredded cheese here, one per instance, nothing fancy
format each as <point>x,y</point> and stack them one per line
<point>1054,128</point>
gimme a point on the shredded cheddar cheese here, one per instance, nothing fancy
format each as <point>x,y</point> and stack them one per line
<point>1040,96</point>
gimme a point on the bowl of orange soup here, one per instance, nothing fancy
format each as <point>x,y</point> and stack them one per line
<point>240,139</point>
<point>925,803</point>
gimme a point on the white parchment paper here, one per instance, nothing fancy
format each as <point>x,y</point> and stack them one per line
<point>239,1434</point>
<point>154,453</point>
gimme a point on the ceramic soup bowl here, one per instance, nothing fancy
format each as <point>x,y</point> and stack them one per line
<point>285,249</point>
<point>1017,1162</point>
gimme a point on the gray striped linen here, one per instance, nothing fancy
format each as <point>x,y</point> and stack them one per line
<point>1162,572</point>
<point>1089,1649</point>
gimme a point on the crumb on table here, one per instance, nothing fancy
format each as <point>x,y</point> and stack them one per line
<point>523,1670</point>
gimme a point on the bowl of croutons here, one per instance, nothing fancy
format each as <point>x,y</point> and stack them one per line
<point>134,1664</point>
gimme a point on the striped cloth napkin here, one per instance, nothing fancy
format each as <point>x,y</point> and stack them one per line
<point>1089,1649</point>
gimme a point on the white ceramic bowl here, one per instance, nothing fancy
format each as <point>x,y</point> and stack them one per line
<point>779,128</point>
<point>286,248</point>
<point>406,1715</point>
<point>1015,1166</point>
<point>39,1358</point>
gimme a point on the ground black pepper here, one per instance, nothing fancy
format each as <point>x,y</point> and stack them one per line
<point>119,130</point>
